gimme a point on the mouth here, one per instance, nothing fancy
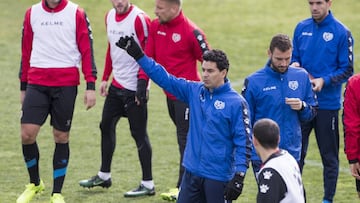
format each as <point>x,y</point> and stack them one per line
<point>315,13</point>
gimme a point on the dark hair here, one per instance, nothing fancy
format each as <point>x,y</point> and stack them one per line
<point>217,56</point>
<point>280,41</point>
<point>267,132</point>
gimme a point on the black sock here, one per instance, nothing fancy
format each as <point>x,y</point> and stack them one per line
<point>31,158</point>
<point>60,163</point>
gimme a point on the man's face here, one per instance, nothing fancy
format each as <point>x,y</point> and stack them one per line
<point>165,11</point>
<point>121,6</point>
<point>212,76</point>
<point>279,60</point>
<point>319,9</point>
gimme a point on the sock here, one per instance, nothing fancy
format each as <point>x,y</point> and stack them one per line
<point>60,163</point>
<point>104,175</point>
<point>31,158</point>
<point>148,184</point>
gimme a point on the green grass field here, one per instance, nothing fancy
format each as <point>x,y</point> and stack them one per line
<point>242,28</point>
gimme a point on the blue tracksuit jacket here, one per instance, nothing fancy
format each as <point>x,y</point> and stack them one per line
<point>219,137</point>
<point>325,50</point>
<point>266,90</point>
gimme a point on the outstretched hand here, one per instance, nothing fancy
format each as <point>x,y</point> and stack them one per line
<point>130,46</point>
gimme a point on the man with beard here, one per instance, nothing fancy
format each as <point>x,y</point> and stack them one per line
<point>281,93</point>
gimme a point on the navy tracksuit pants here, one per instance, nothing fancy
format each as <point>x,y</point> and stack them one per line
<point>326,127</point>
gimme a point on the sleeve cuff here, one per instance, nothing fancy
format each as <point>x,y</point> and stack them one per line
<point>353,161</point>
<point>90,86</point>
<point>23,86</point>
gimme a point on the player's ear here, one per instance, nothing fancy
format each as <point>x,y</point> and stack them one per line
<point>255,141</point>
<point>269,53</point>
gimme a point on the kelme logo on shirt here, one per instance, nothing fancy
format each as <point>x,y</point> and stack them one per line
<point>219,104</point>
<point>327,36</point>
<point>176,37</point>
<point>293,84</point>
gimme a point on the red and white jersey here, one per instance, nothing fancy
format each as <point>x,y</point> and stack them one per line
<point>54,44</point>
<point>177,45</point>
<point>124,68</point>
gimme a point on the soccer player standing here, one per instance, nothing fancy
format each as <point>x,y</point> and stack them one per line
<point>177,44</point>
<point>56,38</point>
<point>126,96</point>
<point>218,149</point>
<point>282,93</point>
<point>323,46</point>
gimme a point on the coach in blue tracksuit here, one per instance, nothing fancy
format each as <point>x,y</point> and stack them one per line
<point>218,148</point>
<point>281,93</point>
<point>323,46</point>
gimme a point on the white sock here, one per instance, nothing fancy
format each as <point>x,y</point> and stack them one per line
<point>104,175</point>
<point>148,183</point>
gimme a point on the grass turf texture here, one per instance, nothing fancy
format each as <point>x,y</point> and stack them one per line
<point>242,29</point>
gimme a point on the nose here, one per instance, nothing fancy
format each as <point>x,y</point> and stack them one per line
<point>313,7</point>
<point>283,62</point>
<point>205,74</point>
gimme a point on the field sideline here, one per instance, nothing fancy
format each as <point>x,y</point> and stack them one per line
<point>242,28</point>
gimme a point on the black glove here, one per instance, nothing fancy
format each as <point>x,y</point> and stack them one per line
<point>130,46</point>
<point>234,187</point>
<point>141,91</point>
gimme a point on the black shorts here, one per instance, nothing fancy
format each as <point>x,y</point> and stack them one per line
<point>40,101</point>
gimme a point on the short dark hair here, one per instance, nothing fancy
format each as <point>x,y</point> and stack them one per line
<point>217,56</point>
<point>267,132</point>
<point>280,41</point>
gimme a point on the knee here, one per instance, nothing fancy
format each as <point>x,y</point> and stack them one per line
<point>27,138</point>
<point>29,133</point>
<point>61,136</point>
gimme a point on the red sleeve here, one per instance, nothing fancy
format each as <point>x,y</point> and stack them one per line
<point>108,65</point>
<point>150,44</point>
<point>84,40</point>
<point>108,61</point>
<point>26,47</point>
<point>140,32</point>
<point>351,119</point>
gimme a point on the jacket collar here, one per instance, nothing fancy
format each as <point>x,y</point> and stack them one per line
<point>327,20</point>
<point>223,88</point>
<point>177,20</point>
